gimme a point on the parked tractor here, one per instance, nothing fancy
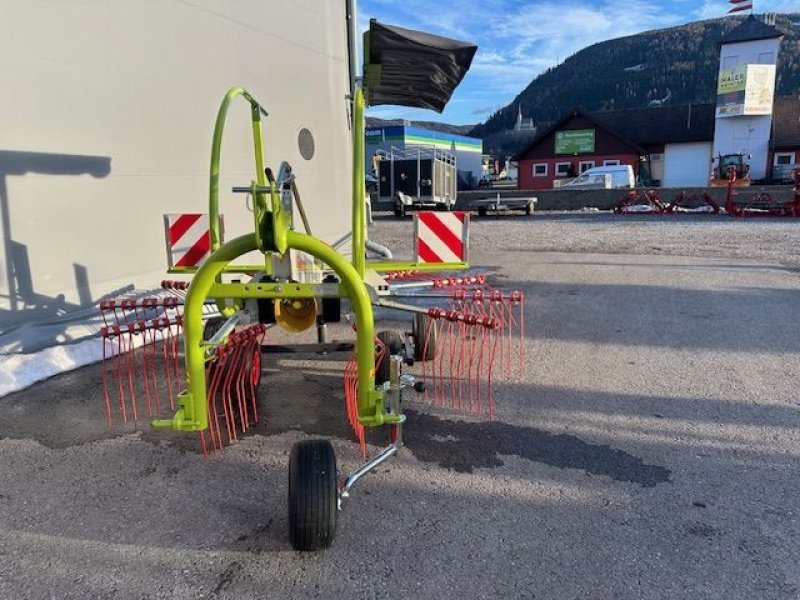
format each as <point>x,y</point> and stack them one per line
<point>723,165</point>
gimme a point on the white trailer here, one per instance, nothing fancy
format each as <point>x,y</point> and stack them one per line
<point>418,178</point>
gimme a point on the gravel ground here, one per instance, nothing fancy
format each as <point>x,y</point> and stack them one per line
<point>650,450</point>
<point>767,240</point>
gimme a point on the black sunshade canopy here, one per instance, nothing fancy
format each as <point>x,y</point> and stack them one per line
<point>411,68</point>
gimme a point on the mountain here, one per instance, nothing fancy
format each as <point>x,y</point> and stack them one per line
<point>674,66</point>
<point>432,125</point>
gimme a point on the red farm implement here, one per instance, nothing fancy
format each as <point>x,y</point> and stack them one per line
<point>693,203</point>
<point>649,202</point>
<point>640,201</point>
<point>761,204</point>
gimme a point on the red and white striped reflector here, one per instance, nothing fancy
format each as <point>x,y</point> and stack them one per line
<point>188,239</point>
<point>441,237</point>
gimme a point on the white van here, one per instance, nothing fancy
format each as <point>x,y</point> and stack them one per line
<point>613,176</point>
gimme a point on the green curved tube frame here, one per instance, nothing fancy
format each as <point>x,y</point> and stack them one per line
<point>192,414</point>
<point>359,226</point>
<point>260,204</point>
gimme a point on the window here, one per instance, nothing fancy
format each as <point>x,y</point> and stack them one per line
<point>540,170</point>
<point>766,58</point>
<point>784,158</point>
<point>610,163</point>
<point>584,165</point>
<point>563,169</point>
<point>729,62</point>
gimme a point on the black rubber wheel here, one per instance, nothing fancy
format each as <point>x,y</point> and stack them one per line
<point>394,345</point>
<point>528,208</point>
<point>482,211</point>
<point>312,495</point>
<point>212,326</point>
<point>424,346</point>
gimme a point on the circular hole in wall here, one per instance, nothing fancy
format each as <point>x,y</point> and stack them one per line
<point>305,142</point>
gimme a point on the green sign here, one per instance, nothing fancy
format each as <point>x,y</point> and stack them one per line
<point>575,141</point>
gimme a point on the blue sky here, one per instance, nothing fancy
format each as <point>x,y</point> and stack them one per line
<point>519,39</point>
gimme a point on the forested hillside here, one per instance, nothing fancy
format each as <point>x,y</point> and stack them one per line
<point>674,66</point>
<point>432,125</point>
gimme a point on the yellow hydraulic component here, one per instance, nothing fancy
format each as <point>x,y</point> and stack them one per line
<point>296,314</point>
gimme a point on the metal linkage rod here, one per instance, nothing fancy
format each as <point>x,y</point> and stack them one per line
<point>386,454</point>
<point>447,315</point>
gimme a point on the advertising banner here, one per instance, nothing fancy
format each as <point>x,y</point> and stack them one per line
<point>575,141</point>
<point>745,90</point>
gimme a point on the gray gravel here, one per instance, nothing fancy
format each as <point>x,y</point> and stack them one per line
<point>650,451</point>
<point>770,240</point>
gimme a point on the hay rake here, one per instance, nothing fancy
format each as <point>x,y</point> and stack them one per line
<point>465,333</point>
<point>650,202</point>
<point>761,204</point>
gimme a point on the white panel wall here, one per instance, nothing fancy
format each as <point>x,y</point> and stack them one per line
<point>687,164</point>
<point>134,88</point>
<point>470,161</point>
<point>747,134</point>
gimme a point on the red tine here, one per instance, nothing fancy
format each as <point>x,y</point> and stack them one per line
<point>120,379</point>
<point>139,328</point>
<point>256,378</point>
<point>351,402</point>
<point>432,325</point>
<point>203,446</point>
<point>213,374</point>
<point>242,375</point>
<point>227,400</point>
<point>234,374</point>
<point>166,342</point>
<point>106,395</point>
<point>130,366</point>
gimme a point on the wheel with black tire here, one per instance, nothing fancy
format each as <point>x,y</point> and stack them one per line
<point>393,342</point>
<point>425,333</point>
<point>528,208</point>
<point>482,211</point>
<point>313,501</point>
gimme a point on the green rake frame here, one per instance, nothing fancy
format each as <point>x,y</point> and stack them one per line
<point>315,493</point>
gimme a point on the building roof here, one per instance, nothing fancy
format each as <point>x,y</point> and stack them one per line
<point>576,112</point>
<point>750,30</point>
<point>662,125</point>
<point>654,126</point>
<point>649,126</point>
<point>786,122</point>
<point>417,135</point>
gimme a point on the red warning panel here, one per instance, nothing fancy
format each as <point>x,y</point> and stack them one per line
<point>188,239</point>
<point>441,237</point>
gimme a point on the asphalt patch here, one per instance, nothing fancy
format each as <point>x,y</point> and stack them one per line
<point>463,446</point>
<point>58,415</point>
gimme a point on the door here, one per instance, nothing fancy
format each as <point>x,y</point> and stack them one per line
<point>687,164</point>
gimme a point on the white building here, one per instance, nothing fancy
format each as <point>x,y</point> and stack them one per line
<point>106,123</point>
<point>746,87</point>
